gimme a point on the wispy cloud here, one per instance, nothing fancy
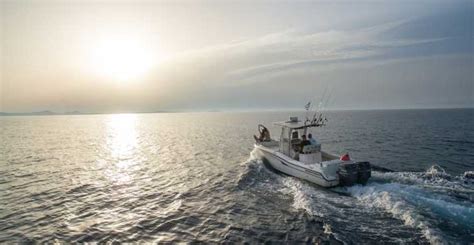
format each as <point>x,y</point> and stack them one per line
<point>239,62</point>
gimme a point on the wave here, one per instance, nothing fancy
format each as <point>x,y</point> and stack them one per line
<point>393,199</point>
<point>435,179</point>
<point>422,200</point>
<point>253,169</point>
<point>432,202</point>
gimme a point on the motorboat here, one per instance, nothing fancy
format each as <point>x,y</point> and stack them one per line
<point>292,156</point>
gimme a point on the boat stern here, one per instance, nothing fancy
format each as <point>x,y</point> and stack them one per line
<point>354,173</point>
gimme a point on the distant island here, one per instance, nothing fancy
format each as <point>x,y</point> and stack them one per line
<point>52,113</point>
<point>41,113</point>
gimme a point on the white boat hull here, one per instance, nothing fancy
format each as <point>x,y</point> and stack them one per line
<point>323,174</point>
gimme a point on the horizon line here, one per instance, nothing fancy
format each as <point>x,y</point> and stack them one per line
<point>77,112</point>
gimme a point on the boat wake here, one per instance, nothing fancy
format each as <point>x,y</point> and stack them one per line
<point>394,206</point>
<point>426,201</point>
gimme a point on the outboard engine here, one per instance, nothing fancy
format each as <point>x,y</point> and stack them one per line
<point>364,172</point>
<point>354,173</point>
<point>348,174</point>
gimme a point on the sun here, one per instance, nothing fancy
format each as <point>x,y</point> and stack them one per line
<point>121,60</point>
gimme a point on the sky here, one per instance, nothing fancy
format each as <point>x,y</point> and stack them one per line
<point>142,56</point>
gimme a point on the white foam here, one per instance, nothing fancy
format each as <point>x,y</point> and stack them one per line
<point>253,155</point>
<point>327,229</point>
<point>435,179</point>
<point>301,197</point>
<point>389,198</point>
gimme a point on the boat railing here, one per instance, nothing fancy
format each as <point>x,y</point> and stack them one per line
<point>270,143</point>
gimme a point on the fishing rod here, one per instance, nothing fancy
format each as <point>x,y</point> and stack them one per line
<point>323,97</point>
<point>307,106</point>
<point>324,93</point>
<point>317,117</point>
<point>322,104</point>
<point>328,98</point>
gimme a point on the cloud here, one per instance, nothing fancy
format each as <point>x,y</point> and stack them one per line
<point>256,71</point>
<point>240,62</point>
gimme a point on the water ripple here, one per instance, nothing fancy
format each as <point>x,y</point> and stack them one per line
<point>168,178</point>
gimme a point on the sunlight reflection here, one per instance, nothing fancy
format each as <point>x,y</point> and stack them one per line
<point>122,144</point>
<point>122,135</point>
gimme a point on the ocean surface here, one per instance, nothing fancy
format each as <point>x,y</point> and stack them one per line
<point>191,177</point>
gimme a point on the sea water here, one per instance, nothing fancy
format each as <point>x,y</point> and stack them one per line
<point>184,177</point>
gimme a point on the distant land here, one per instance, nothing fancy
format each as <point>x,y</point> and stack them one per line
<point>40,113</point>
<point>52,113</point>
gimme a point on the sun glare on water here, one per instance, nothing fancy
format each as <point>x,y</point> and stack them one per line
<point>121,60</point>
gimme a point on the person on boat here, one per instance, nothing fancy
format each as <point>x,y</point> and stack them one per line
<point>304,142</point>
<point>312,140</point>
<point>264,134</point>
